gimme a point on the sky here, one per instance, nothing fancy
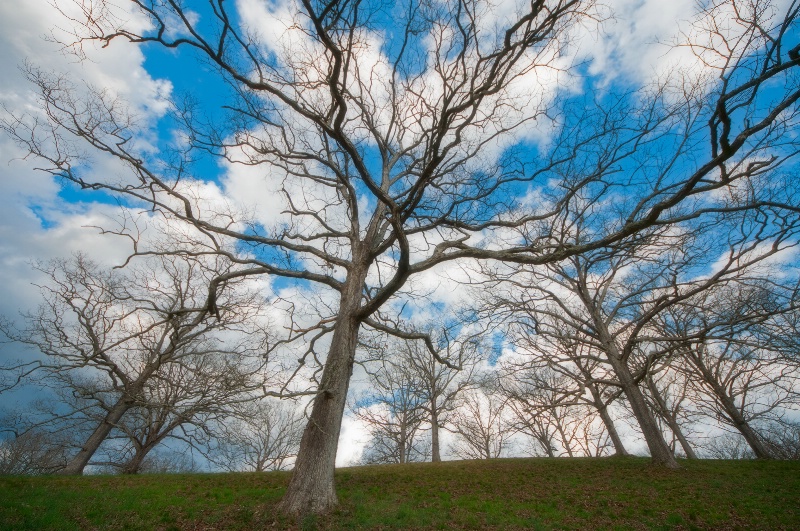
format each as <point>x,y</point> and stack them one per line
<point>43,218</point>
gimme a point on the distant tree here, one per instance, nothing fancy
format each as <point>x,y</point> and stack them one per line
<point>438,386</point>
<point>739,378</point>
<point>480,426</point>
<point>783,439</point>
<point>33,452</point>
<point>391,408</point>
<point>549,408</point>
<point>727,446</point>
<point>260,436</point>
<point>141,341</point>
<point>585,380</point>
<point>184,402</point>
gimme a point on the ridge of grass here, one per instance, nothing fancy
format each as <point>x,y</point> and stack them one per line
<point>606,493</point>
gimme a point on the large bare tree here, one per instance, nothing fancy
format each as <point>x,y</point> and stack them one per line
<point>395,152</point>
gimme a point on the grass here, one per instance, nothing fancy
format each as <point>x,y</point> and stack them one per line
<point>612,493</point>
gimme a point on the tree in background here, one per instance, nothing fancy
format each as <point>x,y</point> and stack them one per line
<point>480,426</point>
<point>550,408</point>
<point>141,341</point>
<point>33,452</point>
<point>438,387</point>
<point>259,436</point>
<point>738,375</point>
<point>392,410</point>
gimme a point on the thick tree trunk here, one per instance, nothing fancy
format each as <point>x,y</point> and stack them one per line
<point>659,449</point>
<point>672,422</point>
<point>750,435</point>
<point>436,455</point>
<point>311,489</point>
<point>76,465</point>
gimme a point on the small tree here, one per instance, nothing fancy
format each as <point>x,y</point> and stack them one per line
<point>480,426</point>
<point>392,411</point>
<point>260,436</point>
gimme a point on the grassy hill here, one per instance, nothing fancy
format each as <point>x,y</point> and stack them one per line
<point>612,493</point>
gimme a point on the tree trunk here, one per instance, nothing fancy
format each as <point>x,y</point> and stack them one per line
<point>311,489</point>
<point>135,464</point>
<point>605,416</point>
<point>76,465</point>
<point>672,422</point>
<point>403,441</point>
<point>619,448</point>
<point>736,417</point>
<point>750,435</point>
<point>566,444</point>
<point>436,455</point>
<point>659,449</point>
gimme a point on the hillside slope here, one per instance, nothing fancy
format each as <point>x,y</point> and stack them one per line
<point>611,493</point>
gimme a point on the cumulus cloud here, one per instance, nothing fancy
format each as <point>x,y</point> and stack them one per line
<point>37,223</point>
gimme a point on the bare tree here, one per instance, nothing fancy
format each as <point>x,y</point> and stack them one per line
<point>584,379</point>
<point>392,410</point>
<point>437,386</point>
<point>140,342</point>
<point>668,392</point>
<point>33,452</point>
<point>387,154</point>
<point>183,401</point>
<point>608,301</point>
<point>728,446</point>
<point>783,439</point>
<point>261,436</point>
<point>550,408</point>
<point>739,379</point>
<point>480,425</point>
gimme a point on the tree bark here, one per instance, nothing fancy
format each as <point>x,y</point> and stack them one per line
<point>76,465</point>
<point>311,489</point>
<point>659,449</point>
<point>672,422</point>
<point>605,416</point>
<point>619,447</point>
<point>436,455</point>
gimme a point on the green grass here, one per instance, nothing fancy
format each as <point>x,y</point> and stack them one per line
<point>612,493</point>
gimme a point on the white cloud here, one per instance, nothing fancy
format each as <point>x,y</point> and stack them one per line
<point>36,223</point>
